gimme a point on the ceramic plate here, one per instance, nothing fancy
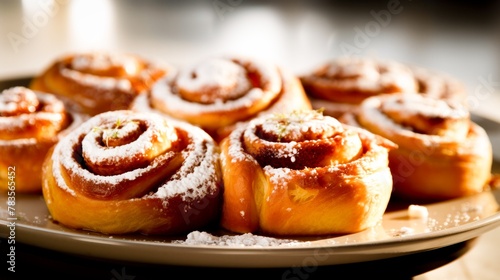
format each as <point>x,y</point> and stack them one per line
<point>448,223</point>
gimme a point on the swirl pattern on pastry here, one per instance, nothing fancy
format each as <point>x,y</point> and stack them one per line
<point>124,172</point>
<point>439,85</point>
<point>99,81</point>
<point>30,123</point>
<point>302,173</point>
<point>219,93</point>
<point>341,84</point>
<point>442,154</point>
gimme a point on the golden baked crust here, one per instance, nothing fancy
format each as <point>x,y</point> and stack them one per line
<point>439,85</point>
<point>220,93</point>
<point>99,81</point>
<point>341,84</point>
<point>303,173</point>
<point>442,154</point>
<point>30,123</point>
<point>124,172</point>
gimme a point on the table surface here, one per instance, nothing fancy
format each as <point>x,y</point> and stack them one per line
<point>296,34</point>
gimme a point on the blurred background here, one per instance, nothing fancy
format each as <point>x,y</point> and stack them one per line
<point>459,37</point>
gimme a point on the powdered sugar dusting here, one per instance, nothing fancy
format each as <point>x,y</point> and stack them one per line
<point>228,77</point>
<point>403,231</point>
<point>370,75</point>
<point>106,83</point>
<point>103,61</point>
<point>289,131</point>
<point>372,111</point>
<point>236,149</point>
<point>215,73</point>
<point>369,109</point>
<point>18,99</point>
<point>18,143</point>
<point>107,182</point>
<point>22,108</point>
<point>94,152</point>
<point>288,150</point>
<point>278,176</point>
<point>269,74</point>
<point>190,181</point>
<point>199,167</point>
<point>8,107</point>
<point>439,85</point>
<point>418,212</point>
<point>165,98</point>
<point>25,120</point>
<point>412,104</point>
<point>242,240</point>
<point>296,124</point>
<point>64,152</point>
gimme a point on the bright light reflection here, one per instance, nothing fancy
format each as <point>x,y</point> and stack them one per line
<point>256,31</point>
<point>37,14</point>
<point>31,7</point>
<point>91,23</point>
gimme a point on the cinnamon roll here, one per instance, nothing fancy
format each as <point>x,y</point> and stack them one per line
<point>303,173</point>
<point>30,123</point>
<point>442,154</point>
<point>99,81</point>
<point>341,84</point>
<point>220,93</point>
<point>439,85</point>
<point>126,172</point>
